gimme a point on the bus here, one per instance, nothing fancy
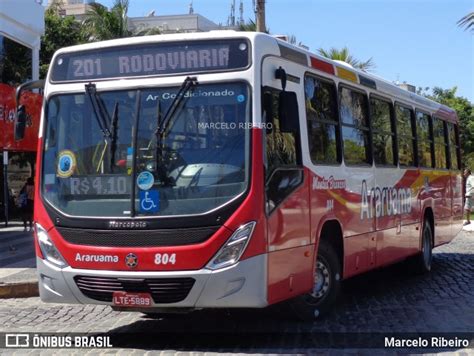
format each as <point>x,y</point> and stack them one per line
<point>232,170</point>
<point>20,30</point>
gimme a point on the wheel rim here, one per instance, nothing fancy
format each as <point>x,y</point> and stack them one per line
<point>322,280</point>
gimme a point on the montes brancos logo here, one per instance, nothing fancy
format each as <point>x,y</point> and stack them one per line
<point>131,260</point>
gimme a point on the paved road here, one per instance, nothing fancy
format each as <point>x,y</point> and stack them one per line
<point>16,247</point>
<point>384,301</point>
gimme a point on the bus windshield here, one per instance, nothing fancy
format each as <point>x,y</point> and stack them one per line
<point>108,154</point>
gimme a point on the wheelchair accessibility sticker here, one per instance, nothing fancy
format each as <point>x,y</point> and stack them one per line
<point>149,201</point>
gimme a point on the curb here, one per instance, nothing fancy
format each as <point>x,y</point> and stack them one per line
<point>19,290</point>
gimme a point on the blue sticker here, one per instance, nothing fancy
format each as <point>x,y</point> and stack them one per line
<point>145,180</point>
<point>241,98</point>
<point>149,201</point>
<point>66,164</point>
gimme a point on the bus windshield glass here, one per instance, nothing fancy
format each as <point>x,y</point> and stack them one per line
<point>124,153</point>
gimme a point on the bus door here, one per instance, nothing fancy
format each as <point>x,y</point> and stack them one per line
<point>286,189</point>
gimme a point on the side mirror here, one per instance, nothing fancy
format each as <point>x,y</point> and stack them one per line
<point>288,112</point>
<point>21,117</point>
<point>20,123</point>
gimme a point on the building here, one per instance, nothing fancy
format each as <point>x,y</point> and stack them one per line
<point>190,22</point>
<point>21,27</point>
<point>173,23</point>
<point>76,8</point>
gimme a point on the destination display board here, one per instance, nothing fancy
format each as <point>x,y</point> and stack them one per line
<point>161,58</point>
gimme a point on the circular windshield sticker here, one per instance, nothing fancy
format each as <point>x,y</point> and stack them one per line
<point>66,163</point>
<point>145,180</point>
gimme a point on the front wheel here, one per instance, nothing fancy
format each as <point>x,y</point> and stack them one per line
<point>424,259</point>
<point>326,287</point>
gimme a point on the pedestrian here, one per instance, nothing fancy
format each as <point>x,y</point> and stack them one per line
<point>26,198</point>
<point>469,195</point>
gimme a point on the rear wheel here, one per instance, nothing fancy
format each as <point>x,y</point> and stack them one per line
<point>424,259</point>
<point>326,287</point>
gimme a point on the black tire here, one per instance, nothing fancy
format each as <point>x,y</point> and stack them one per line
<point>326,288</point>
<point>423,261</point>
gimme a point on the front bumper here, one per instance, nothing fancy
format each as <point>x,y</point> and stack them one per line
<point>243,285</point>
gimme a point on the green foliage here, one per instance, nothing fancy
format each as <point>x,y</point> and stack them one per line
<point>100,24</point>
<point>467,21</point>
<point>345,56</point>
<point>60,31</point>
<point>15,62</point>
<point>251,26</point>
<point>465,111</point>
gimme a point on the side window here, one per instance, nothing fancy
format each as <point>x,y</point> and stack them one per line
<point>440,142</point>
<point>355,126</point>
<point>322,121</point>
<point>454,149</point>
<point>425,139</point>
<point>406,137</point>
<point>283,172</point>
<point>383,132</point>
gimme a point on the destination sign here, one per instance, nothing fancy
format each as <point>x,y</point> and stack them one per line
<point>151,59</point>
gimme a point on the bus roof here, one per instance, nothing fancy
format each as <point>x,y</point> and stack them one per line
<point>293,53</point>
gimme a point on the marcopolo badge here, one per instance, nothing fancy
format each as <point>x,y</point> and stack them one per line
<point>66,164</point>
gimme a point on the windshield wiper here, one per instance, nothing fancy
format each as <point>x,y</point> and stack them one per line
<point>113,137</point>
<point>102,120</point>
<point>188,83</point>
<point>162,124</point>
<point>107,125</point>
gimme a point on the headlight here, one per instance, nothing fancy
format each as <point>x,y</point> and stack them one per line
<point>50,252</point>
<point>233,249</point>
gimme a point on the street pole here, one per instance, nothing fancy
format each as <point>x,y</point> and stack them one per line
<point>6,196</point>
<point>261,27</point>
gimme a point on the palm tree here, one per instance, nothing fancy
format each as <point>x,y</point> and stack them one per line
<point>250,26</point>
<point>344,55</point>
<point>467,21</point>
<point>101,24</point>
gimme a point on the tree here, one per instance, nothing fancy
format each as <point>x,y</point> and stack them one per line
<point>344,55</point>
<point>465,111</point>
<point>250,26</point>
<point>101,24</point>
<point>60,31</point>
<point>467,21</point>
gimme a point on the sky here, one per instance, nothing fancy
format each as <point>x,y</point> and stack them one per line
<point>417,41</point>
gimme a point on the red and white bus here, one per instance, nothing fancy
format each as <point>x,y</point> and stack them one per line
<point>231,169</point>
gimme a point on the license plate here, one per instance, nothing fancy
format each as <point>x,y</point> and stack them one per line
<point>127,299</point>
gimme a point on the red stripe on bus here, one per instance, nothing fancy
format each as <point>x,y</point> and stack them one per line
<point>322,66</point>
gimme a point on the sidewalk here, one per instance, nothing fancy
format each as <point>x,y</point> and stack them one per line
<point>470,227</point>
<point>17,262</point>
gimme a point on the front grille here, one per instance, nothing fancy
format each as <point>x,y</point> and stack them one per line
<point>162,290</point>
<point>137,238</point>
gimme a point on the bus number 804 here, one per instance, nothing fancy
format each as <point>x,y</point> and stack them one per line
<point>164,258</point>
